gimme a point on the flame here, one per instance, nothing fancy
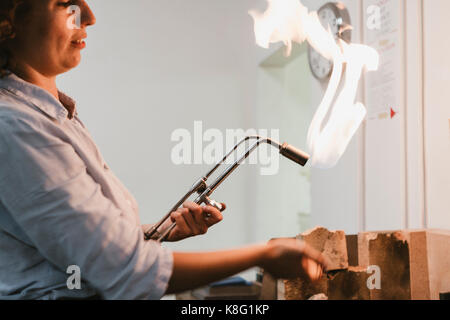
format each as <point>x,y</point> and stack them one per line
<point>280,23</point>
<point>289,21</point>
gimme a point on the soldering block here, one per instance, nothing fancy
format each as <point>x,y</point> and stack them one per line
<point>430,273</point>
<point>352,250</point>
<point>303,288</point>
<point>414,264</point>
<point>350,284</point>
<point>332,244</point>
<point>388,251</point>
<point>269,288</point>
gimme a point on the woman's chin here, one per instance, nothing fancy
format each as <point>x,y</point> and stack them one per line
<point>72,63</point>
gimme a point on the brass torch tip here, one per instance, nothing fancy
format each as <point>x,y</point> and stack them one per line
<point>294,154</point>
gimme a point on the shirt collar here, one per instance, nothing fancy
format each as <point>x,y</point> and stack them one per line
<point>42,99</point>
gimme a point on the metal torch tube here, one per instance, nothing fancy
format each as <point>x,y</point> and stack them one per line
<point>286,150</point>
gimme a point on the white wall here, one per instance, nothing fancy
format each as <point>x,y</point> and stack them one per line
<point>385,148</point>
<point>336,194</point>
<point>437,113</point>
<point>395,173</point>
<point>151,67</point>
<point>300,198</point>
<point>283,200</point>
<point>407,158</point>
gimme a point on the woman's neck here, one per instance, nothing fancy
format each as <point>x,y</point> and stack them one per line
<point>31,75</point>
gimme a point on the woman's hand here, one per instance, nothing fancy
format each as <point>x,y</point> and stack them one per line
<point>192,220</point>
<point>283,258</point>
<point>293,258</point>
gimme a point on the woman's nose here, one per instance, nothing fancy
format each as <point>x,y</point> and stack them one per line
<point>87,16</point>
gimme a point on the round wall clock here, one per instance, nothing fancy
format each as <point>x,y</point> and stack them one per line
<point>336,16</point>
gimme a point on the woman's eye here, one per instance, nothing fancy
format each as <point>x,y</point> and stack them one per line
<point>68,3</point>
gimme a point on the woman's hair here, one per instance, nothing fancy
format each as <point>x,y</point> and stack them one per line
<point>11,11</point>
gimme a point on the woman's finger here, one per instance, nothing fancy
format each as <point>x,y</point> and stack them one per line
<point>214,215</point>
<point>193,207</point>
<point>199,217</point>
<point>310,252</point>
<point>312,268</point>
<point>197,214</point>
<point>189,218</point>
<point>182,227</point>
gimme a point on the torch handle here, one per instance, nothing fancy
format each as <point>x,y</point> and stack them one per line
<point>206,200</point>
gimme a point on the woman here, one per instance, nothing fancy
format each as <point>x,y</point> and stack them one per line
<point>61,206</point>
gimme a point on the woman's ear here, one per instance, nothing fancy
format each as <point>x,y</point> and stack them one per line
<point>6,29</point>
<point>6,33</point>
<point>10,11</point>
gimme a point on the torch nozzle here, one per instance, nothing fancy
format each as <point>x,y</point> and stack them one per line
<point>294,154</point>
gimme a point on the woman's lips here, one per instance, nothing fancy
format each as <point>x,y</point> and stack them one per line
<point>80,44</point>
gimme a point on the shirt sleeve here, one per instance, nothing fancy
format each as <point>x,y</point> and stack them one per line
<point>49,192</point>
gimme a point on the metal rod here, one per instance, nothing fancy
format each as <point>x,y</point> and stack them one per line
<point>149,233</point>
<point>209,190</point>
<point>233,167</point>
<point>204,191</point>
<point>229,153</point>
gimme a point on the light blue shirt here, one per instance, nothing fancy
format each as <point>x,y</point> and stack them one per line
<point>61,205</point>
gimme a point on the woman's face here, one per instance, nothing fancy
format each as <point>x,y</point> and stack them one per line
<point>46,40</point>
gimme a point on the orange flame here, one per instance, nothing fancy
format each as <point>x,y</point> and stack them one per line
<point>288,21</point>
